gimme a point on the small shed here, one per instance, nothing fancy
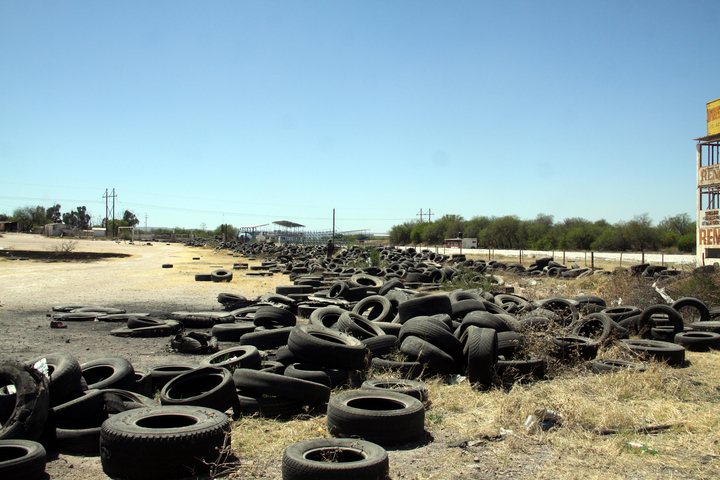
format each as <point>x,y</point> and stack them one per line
<point>466,243</point>
<point>53,229</point>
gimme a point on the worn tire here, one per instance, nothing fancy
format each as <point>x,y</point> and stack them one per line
<point>22,460</point>
<point>414,388</point>
<point>333,458</point>
<point>326,347</point>
<point>646,322</point>
<point>27,419</point>
<point>221,275</point>
<point>386,418</point>
<point>162,443</point>
<point>257,382</point>
<point>209,387</point>
<point>660,351</point>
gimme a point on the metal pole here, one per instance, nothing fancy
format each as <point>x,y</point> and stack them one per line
<point>592,260</point>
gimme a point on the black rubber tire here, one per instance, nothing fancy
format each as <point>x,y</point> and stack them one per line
<point>246,356</point>
<point>231,332</point>
<point>203,277</point>
<point>462,308</point>
<point>661,351</point>
<point>385,418</point>
<point>326,316</point>
<point>618,314</point>
<point>209,387</point>
<point>274,317</point>
<point>22,460</point>
<point>509,343</point>
<point>390,285</point>
<point>202,319</point>
<point>162,374</point>
<point>483,320</point>
<point>573,346</point>
<point>109,372</point>
<point>83,441</point>
<point>424,306</point>
<point>426,353</point>
<point>117,401</point>
<point>326,347</point>
<point>414,388</point>
<point>381,345</point>
<point>435,332</point>
<point>256,382</point>
<point>87,410</point>
<point>590,325</point>
<point>357,326</point>
<point>267,339</point>
<point>613,365</point>
<point>480,347</point>
<point>221,275</point>
<point>333,458</point>
<point>711,326</point>
<point>646,322</point>
<point>27,419</point>
<point>162,443</point>
<point>564,307</point>
<point>390,328</point>
<point>143,321</point>
<point>167,265</point>
<point>65,376</point>
<point>339,289</point>
<point>268,407</point>
<point>315,373</point>
<point>691,302</point>
<point>366,281</point>
<point>375,308</point>
<point>698,341</point>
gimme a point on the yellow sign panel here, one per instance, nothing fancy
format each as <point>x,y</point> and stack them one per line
<point>713,117</point>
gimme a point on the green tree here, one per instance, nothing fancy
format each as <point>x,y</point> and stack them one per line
<point>53,214</point>
<point>503,232</point>
<point>77,219</point>
<point>417,234</point>
<point>130,218</point>
<point>400,234</point>
<point>680,224</point>
<point>641,234</point>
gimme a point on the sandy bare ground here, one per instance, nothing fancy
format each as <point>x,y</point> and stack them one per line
<point>28,289</point>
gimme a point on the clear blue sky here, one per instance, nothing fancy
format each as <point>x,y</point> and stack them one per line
<point>251,112</point>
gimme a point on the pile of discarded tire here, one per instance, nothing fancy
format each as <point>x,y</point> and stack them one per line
<point>306,348</point>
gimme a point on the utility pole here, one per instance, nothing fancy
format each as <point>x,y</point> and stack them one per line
<point>333,234</point>
<point>421,215</point>
<point>113,211</point>
<point>146,222</point>
<point>429,213</point>
<point>107,212</point>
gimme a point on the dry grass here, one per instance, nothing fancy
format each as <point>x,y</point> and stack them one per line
<point>601,413</point>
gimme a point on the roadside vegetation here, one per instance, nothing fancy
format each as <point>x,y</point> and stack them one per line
<point>672,235</point>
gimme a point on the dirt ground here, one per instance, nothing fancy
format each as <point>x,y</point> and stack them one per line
<point>138,283</point>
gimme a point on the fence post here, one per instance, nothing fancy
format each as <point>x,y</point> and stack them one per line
<point>642,257</point>
<point>563,257</point>
<point>621,259</point>
<point>586,258</point>
<point>662,259</point>
<point>592,260</point>
<point>520,257</point>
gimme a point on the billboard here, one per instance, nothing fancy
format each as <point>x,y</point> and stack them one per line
<point>713,117</point>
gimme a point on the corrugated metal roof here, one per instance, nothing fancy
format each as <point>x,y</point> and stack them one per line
<point>288,224</point>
